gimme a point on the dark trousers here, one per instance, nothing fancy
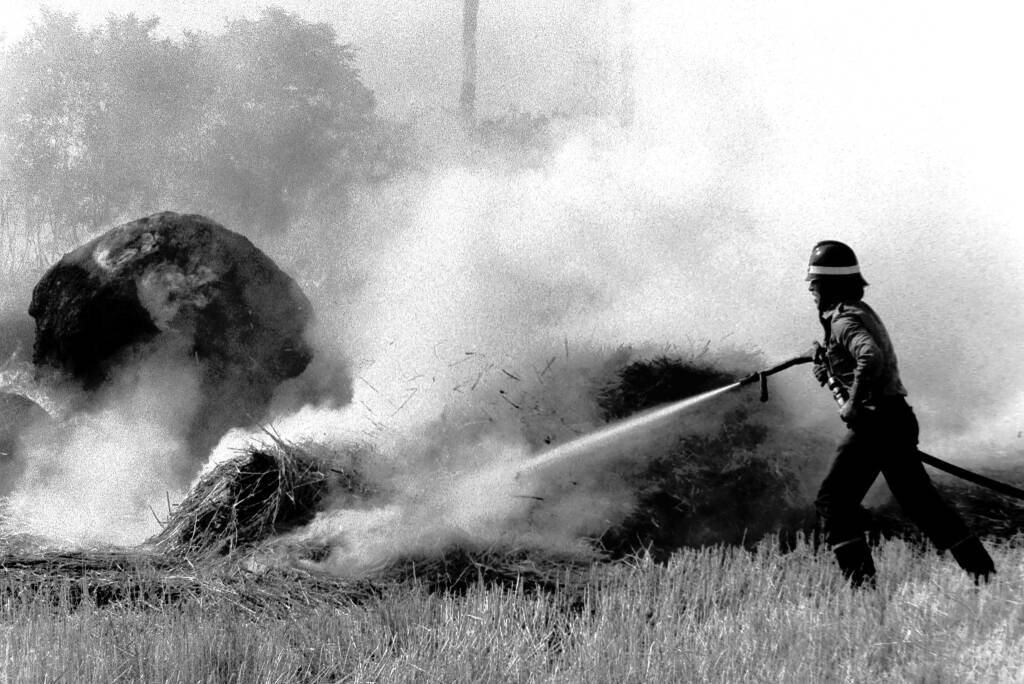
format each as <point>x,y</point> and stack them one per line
<point>884,441</point>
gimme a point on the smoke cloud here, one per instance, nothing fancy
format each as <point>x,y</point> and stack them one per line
<point>757,132</point>
<point>105,475</point>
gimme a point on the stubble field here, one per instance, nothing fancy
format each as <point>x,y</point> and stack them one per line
<point>713,614</point>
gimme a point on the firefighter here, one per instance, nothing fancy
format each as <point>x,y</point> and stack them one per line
<point>882,430</point>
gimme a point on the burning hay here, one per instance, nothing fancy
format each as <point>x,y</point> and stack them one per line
<point>263,491</point>
<point>224,541</point>
<point>204,549</point>
<point>724,477</point>
<point>723,481</point>
<point>238,510</point>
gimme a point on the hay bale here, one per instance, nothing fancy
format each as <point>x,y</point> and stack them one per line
<point>178,284</point>
<point>644,384</point>
<point>263,491</point>
<point>726,484</point>
<point>737,486</point>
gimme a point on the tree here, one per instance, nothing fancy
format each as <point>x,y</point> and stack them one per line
<point>285,114</point>
<point>467,99</point>
<point>148,97</point>
<point>627,92</point>
<point>90,124</point>
<point>250,126</point>
<point>47,98</point>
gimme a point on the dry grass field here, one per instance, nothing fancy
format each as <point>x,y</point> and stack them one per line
<point>713,614</point>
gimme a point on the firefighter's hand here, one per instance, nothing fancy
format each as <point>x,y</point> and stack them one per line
<point>849,412</point>
<point>820,371</point>
<point>819,368</point>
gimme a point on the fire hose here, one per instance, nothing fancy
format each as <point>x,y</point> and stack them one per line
<point>839,393</point>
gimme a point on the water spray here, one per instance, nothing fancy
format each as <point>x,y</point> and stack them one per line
<point>615,435</point>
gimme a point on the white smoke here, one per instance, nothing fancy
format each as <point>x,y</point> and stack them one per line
<point>758,131</point>
<point>750,144</point>
<point>106,475</point>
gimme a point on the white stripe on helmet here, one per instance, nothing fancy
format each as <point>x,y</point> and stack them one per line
<point>833,270</point>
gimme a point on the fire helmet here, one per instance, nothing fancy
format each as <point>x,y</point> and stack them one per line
<point>833,259</point>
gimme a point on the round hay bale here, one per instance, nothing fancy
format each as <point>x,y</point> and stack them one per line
<point>179,281</point>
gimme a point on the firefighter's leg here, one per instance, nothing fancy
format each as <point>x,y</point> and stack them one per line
<point>917,496</point>
<point>914,491</point>
<point>923,504</point>
<point>838,505</point>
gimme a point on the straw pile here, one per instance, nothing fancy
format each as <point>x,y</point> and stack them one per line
<point>207,546</point>
<point>151,580</point>
<point>263,491</point>
<point>219,544</point>
<point>148,580</point>
<point>456,569</point>
<point>727,483</point>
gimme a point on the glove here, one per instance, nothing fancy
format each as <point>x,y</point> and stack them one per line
<point>820,367</point>
<point>820,373</point>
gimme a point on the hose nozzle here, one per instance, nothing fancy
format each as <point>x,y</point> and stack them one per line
<point>761,377</point>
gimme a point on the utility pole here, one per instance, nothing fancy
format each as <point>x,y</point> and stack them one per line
<point>627,93</point>
<point>467,99</point>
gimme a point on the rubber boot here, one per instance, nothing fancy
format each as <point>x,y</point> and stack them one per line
<point>854,558</point>
<point>972,557</point>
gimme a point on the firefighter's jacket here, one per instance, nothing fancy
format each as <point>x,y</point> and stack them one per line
<point>860,353</point>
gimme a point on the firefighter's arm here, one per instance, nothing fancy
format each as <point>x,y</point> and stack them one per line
<point>851,333</point>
